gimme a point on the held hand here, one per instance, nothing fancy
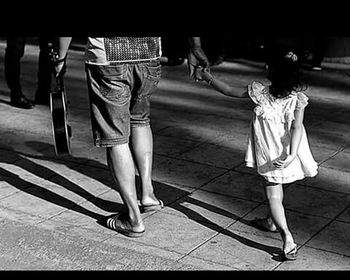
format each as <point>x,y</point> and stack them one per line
<point>192,64</point>
<point>201,57</point>
<point>280,164</point>
<point>206,76</point>
<point>57,64</point>
<point>197,59</point>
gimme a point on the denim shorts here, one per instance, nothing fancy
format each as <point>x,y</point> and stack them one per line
<point>119,96</point>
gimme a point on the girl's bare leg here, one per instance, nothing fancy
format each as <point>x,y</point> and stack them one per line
<point>274,194</point>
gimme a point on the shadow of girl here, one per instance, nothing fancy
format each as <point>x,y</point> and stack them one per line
<point>174,198</point>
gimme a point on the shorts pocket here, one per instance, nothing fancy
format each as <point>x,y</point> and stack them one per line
<point>113,83</point>
<point>151,78</point>
<point>153,70</point>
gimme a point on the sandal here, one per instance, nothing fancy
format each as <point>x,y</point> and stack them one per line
<point>291,255</point>
<point>262,224</point>
<point>152,207</point>
<point>121,225</point>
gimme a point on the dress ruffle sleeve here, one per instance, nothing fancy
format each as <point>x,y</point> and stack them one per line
<point>254,91</point>
<point>302,101</point>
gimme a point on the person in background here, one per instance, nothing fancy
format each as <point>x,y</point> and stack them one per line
<point>314,52</point>
<point>13,55</point>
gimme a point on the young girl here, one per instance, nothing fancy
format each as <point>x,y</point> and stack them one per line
<point>277,145</point>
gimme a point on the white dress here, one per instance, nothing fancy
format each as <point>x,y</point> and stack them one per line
<point>270,135</point>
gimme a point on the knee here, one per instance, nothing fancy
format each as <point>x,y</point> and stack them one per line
<point>273,197</point>
<point>273,192</point>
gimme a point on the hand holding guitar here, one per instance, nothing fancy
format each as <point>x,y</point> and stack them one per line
<point>60,67</point>
<point>58,104</point>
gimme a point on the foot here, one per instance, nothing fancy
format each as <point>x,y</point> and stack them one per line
<point>291,253</point>
<point>289,249</point>
<point>21,102</point>
<point>265,224</point>
<point>121,224</point>
<point>150,207</point>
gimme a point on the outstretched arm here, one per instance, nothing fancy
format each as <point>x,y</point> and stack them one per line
<point>296,133</point>
<point>237,91</point>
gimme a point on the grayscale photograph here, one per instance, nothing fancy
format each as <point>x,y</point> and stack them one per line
<point>219,152</point>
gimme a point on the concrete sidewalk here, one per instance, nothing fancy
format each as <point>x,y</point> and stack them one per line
<point>49,205</point>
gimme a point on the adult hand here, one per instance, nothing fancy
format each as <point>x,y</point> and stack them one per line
<point>60,67</point>
<point>280,164</point>
<point>196,59</point>
<point>195,66</point>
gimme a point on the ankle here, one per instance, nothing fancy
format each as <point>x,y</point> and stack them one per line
<point>136,223</point>
<point>149,198</point>
<point>133,217</point>
<point>288,240</point>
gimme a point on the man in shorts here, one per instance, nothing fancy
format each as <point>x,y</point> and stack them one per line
<point>122,73</point>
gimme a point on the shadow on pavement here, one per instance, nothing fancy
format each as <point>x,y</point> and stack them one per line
<point>170,195</point>
<point>21,161</point>
<point>42,193</point>
<point>274,251</point>
<point>5,93</point>
<point>4,102</point>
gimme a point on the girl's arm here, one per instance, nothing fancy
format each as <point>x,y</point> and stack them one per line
<point>296,131</point>
<point>223,87</point>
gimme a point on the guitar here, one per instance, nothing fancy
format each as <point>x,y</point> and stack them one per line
<point>61,130</point>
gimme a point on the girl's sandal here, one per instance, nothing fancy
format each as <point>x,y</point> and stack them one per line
<point>290,255</point>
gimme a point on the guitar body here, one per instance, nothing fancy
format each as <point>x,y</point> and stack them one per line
<point>59,110</point>
<point>60,128</point>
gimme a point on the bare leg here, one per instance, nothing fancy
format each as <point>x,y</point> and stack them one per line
<point>269,218</point>
<point>142,147</point>
<point>121,165</point>
<point>274,194</point>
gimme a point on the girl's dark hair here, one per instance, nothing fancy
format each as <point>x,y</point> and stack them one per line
<point>284,72</point>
